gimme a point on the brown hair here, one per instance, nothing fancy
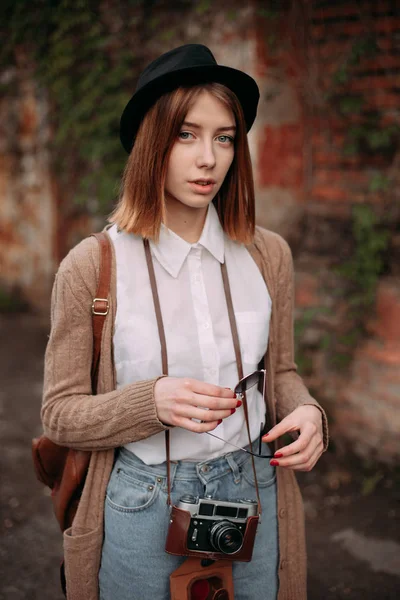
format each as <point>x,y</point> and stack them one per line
<point>141,208</point>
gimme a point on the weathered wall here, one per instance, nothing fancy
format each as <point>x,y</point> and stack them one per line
<point>368,412</point>
<point>315,96</point>
<point>27,214</point>
<point>365,406</point>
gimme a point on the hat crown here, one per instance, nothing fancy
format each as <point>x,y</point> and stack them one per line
<point>183,57</point>
<point>188,65</point>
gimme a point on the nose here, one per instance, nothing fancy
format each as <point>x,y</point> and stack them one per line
<point>206,156</point>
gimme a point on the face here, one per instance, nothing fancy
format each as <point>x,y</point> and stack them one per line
<point>201,155</point>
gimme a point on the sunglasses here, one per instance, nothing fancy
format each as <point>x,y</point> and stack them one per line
<point>244,385</point>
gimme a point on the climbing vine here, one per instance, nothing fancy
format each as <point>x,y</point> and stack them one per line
<point>363,268</point>
<point>372,139</point>
<point>86,56</point>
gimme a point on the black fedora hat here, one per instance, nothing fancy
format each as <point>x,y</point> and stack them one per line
<point>186,65</point>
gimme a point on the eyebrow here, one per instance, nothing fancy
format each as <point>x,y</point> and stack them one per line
<point>196,126</point>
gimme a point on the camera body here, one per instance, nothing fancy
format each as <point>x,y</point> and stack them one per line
<point>214,529</point>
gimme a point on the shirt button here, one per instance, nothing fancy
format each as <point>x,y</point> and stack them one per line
<point>283,564</point>
<point>206,325</point>
<point>282,513</point>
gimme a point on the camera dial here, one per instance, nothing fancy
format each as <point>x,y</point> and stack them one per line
<point>189,499</point>
<point>226,537</point>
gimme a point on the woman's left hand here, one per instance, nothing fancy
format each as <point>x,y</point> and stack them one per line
<point>302,454</point>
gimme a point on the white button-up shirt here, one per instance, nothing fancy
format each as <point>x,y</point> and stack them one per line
<point>197,329</point>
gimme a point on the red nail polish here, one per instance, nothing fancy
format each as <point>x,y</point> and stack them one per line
<point>278,454</point>
<point>274,463</point>
<point>220,421</point>
<point>233,410</point>
<point>239,403</point>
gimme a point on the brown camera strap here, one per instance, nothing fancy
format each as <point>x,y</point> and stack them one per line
<point>164,356</point>
<point>238,355</point>
<point>100,305</point>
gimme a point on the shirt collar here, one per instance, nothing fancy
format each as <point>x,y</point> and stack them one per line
<point>171,250</point>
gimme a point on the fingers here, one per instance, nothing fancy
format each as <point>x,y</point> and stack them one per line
<point>300,461</point>
<point>302,442</point>
<point>302,454</point>
<point>206,396</point>
<point>309,463</point>
<point>284,426</point>
<point>196,427</point>
<point>208,389</point>
<point>208,416</point>
<point>210,402</point>
<point>178,401</point>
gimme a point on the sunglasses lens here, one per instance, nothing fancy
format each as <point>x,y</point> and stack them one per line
<point>248,382</point>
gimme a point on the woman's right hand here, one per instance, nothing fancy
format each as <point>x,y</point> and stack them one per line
<point>180,400</point>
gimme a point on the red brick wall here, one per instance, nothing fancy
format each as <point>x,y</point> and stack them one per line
<point>335,28</point>
<point>307,184</point>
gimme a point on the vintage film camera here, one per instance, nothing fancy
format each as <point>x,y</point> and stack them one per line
<point>213,529</point>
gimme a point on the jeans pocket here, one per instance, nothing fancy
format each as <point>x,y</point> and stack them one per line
<point>266,475</point>
<point>131,490</point>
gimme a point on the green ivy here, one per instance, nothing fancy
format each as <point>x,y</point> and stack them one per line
<point>371,136</point>
<point>11,301</point>
<point>301,325</point>
<point>351,105</point>
<point>365,133</point>
<point>203,6</point>
<point>379,183</point>
<point>361,272</point>
<point>86,56</point>
<point>366,264</point>
<point>363,47</point>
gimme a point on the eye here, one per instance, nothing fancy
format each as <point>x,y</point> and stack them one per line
<point>225,139</point>
<point>185,135</point>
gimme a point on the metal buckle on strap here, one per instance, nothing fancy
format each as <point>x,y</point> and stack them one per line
<point>100,312</point>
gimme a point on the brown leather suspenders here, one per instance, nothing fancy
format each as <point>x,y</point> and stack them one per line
<point>164,356</point>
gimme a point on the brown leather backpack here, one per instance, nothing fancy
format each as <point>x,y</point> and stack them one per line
<point>63,469</point>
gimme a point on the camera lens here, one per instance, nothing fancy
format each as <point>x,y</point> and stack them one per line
<point>221,594</point>
<point>225,537</point>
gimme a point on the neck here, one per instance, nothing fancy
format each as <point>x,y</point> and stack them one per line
<point>185,221</point>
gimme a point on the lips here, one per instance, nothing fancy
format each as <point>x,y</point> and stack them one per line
<point>203,181</point>
<point>202,186</point>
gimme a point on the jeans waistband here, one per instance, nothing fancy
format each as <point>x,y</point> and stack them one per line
<point>187,469</point>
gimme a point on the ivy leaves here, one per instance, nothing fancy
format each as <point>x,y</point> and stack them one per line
<point>76,51</point>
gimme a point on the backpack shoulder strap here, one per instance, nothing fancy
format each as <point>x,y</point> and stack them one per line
<point>100,305</point>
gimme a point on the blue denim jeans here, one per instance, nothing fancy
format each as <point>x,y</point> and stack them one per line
<point>134,563</point>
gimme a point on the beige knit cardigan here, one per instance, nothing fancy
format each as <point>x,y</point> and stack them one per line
<point>73,417</point>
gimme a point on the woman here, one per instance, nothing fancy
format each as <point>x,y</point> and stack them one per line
<point>188,189</point>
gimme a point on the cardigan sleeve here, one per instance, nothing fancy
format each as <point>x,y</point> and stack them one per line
<point>71,415</point>
<point>290,390</point>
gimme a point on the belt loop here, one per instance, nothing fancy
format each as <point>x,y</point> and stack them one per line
<point>234,467</point>
<point>173,468</point>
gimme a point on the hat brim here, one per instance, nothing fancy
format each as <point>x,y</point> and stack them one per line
<point>239,82</point>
